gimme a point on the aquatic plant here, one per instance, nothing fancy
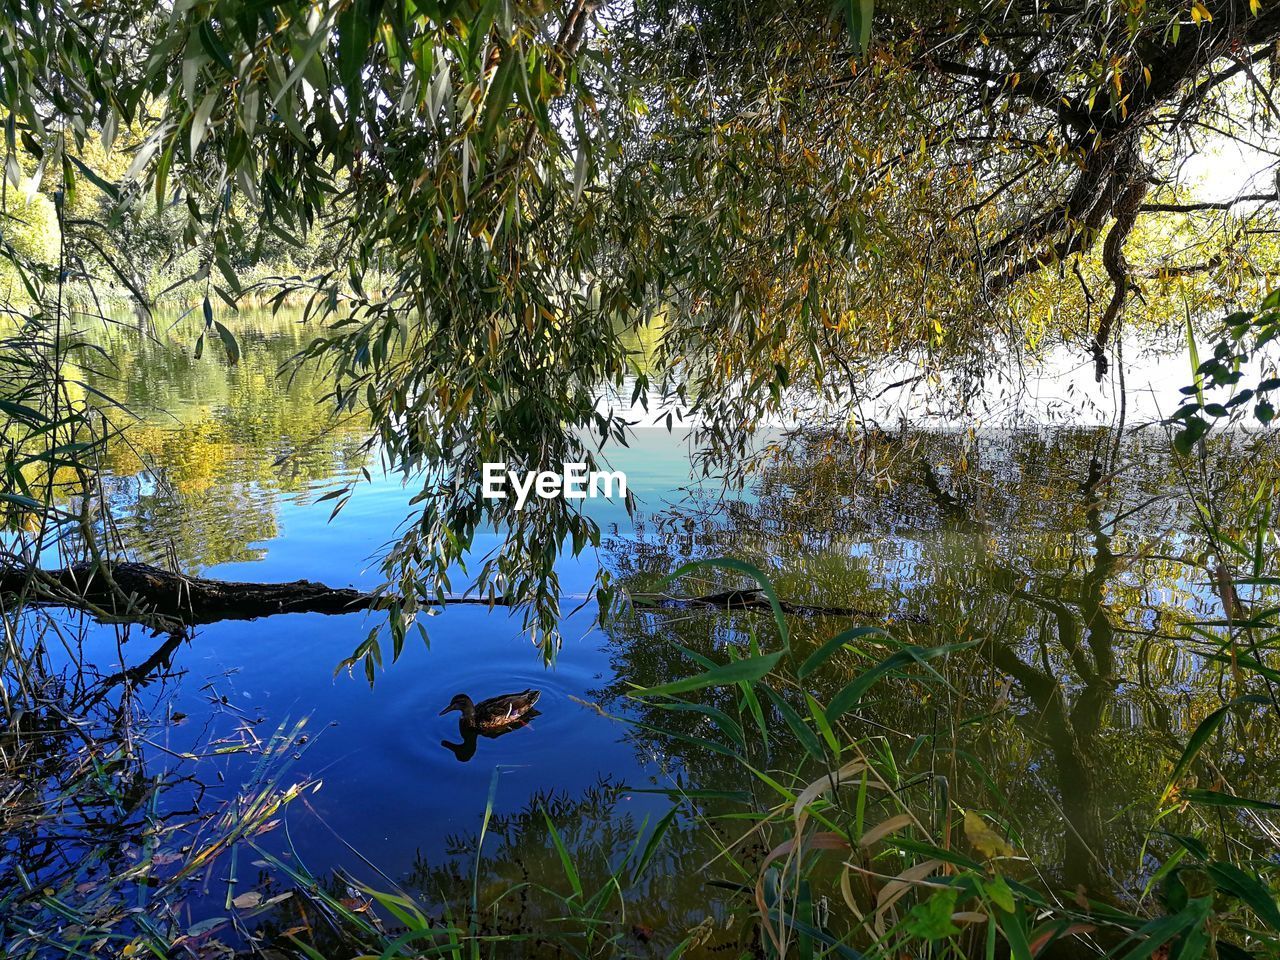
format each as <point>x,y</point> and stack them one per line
<point>865,858</point>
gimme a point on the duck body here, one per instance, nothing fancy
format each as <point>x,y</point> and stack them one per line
<point>495,713</point>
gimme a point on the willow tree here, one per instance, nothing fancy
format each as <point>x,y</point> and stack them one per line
<point>515,186</point>
<point>985,176</point>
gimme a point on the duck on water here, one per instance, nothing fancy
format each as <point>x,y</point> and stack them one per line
<point>503,710</point>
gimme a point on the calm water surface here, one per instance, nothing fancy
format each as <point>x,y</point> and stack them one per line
<point>1064,552</point>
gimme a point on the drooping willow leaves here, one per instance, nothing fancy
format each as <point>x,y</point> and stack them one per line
<point>515,187</point>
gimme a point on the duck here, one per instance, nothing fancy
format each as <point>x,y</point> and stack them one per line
<point>504,710</point>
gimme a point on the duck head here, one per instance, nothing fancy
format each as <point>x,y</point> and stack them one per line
<point>462,703</point>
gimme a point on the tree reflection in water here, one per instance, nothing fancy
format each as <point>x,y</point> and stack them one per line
<point>1070,556</point>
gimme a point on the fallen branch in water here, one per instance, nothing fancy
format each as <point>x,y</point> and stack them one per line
<point>170,602</point>
<point>730,600</point>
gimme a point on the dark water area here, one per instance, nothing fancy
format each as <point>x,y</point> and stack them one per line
<point>1066,557</point>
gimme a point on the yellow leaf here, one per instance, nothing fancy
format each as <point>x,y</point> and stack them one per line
<point>1255,6</point>
<point>985,840</point>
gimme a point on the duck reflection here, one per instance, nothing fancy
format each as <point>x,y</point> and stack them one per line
<point>471,735</point>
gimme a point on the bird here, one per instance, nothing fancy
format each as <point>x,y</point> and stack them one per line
<point>503,710</point>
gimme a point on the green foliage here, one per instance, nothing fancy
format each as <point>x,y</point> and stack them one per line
<point>845,826</point>
<point>1244,340</point>
<point>505,194</point>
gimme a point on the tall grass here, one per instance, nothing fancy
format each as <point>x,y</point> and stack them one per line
<point>864,859</point>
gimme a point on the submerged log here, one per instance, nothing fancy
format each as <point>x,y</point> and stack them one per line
<point>168,601</point>
<point>753,599</point>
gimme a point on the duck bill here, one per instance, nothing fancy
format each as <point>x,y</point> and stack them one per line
<point>447,709</point>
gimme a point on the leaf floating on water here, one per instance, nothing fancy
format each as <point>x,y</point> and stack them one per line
<point>356,904</point>
<point>205,927</point>
<point>985,840</point>
<point>247,901</point>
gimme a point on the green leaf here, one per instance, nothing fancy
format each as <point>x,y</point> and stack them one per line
<point>1215,798</point>
<point>200,120</point>
<point>1155,934</point>
<point>21,411</point>
<point>858,14</point>
<point>353,43</point>
<point>651,846</point>
<point>998,892</point>
<point>823,725</point>
<point>766,587</point>
<point>19,500</point>
<point>1231,879</point>
<point>725,723</point>
<point>702,743</point>
<point>849,697</point>
<point>808,739</point>
<point>499,96</point>
<point>931,920</point>
<point>566,862</point>
<point>1208,726</point>
<point>1194,353</point>
<point>1186,438</point>
<point>213,45</point>
<point>1014,926</point>
<point>828,649</point>
<point>105,186</point>
<point>229,343</point>
<point>749,669</point>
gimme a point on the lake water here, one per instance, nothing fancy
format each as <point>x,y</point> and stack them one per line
<point>1065,552</point>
